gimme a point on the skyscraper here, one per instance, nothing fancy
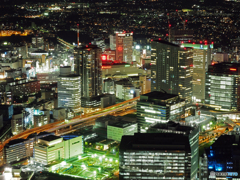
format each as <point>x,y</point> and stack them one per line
<point>122,43</point>
<point>88,65</point>
<point>201,61</point>
<point>171,69</point>
<point>69,90</point>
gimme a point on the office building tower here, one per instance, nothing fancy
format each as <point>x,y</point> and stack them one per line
<point>181,36</point>
<point>223,87</point>
<point>201,60</point>
<point>88,65</point>
<point>69,90</point>
<point>171,68</point>
<point>157,156</point>
<point>157,107</point>
<point>122,42</point>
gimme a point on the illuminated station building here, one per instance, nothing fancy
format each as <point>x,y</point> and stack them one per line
<point>222,87</point>
<point>171,69</point>
<point>159,107</point>
<point>52,148</point>
<point>162,155</point>
<point>201,60</point>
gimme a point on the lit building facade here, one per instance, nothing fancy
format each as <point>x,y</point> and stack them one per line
<point>115,131</point>
<point>108,86</point>
<point>156,156</point>
<point>171,68</point>
<point>88,65</point>
<point>184,129</point>
<point>17,150</point>
<point>122,42</point>
<point>201,60</point>
<point>17,123</point>
<point>52,148</point>
<point>126,91</point>
<point>40,120</point>
<point>12,90</point>
<point>222,87</point>
<point>158,107</point>
<point>69,90</point>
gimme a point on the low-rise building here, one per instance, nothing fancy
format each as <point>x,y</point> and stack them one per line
<point>17,150</point>
<point>117,130</point>
<point>52,148</point>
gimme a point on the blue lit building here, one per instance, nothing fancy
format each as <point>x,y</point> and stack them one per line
<point>223,157</point>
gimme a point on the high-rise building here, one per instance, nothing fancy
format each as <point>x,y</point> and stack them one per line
<point>88,65</point>
<point>69,90</point>
<point>171,68</point>
<point>223,86</point>
<point>122,42</point>
<point>201,60</point>
<point>158,156</point>
<point>161,107</point>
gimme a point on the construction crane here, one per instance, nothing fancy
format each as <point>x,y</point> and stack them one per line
<point>169,28</point>
<point>184,21</point>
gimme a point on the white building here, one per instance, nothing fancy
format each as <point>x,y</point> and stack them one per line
<point>52,148</point>
<point>126,92</point>
<point>117,130</point>
<point>69,90</point>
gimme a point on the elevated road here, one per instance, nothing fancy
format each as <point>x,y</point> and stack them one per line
<point>76,120</point>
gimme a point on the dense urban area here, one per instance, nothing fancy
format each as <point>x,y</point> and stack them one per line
<point>119,89</point>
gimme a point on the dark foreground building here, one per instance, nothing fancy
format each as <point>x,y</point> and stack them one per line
<point>224,158</point>
<point>157,156</point>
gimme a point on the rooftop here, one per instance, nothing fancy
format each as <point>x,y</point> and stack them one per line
<point>159,95</point>
<point>121,124</point>
<point>171,125</point>
<point>155,141</point>
<point>50,138</point>
<point>166,43</point>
